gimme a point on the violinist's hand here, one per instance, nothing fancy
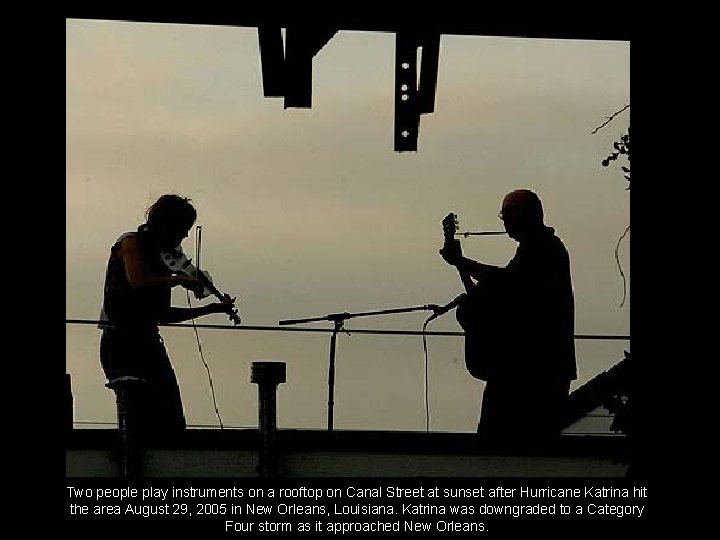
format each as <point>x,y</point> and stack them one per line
<point>227,306</point>
<point>191,283</point>
<point>452,252</point>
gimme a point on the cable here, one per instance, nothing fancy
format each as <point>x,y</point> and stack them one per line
<point>617,259</point>
<point>427,401</point>
<point>207,368</point>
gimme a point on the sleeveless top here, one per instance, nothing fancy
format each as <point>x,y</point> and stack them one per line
<point>125,307</point>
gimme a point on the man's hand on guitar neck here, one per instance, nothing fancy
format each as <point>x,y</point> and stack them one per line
<point>452,252</point>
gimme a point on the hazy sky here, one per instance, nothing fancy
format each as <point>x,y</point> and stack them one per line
<point>311,212</point>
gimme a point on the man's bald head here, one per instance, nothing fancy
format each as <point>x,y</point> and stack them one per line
<point>521,212</point>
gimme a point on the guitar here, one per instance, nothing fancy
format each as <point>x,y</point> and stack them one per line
<point>479,313</point>
<point>176,261</point>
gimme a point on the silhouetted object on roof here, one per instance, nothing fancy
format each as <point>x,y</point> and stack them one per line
<point>617,391</point>
<point>610,389</point>
<point>127,389</point>
<point>267,375</point>
<point>69,415</point>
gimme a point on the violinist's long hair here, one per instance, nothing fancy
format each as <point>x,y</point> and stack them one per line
<point>171,208</point>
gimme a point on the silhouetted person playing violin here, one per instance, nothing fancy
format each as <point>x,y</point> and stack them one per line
<point>137,297</point>
<point>529,360</point>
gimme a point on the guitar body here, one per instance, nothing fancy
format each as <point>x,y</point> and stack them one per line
<point>481,315</point>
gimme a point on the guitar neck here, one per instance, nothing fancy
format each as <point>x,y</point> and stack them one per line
<point>450,227</point>
<point>464,276</point>
<point>466,280</point>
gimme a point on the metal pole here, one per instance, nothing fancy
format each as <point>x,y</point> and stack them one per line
<point>124,388</point>
<point>267,375</point>
<point>339,320</point>
<point>68,403</point>
<point>331,373</point>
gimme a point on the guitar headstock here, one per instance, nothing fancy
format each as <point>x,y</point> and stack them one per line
<point>450,226</point>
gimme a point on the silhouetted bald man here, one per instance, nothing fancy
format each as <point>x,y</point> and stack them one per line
<point>524,338</point>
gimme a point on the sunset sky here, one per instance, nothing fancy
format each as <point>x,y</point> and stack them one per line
<point>311,212</point>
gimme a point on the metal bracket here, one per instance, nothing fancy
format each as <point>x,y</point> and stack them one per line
<point>287,70</point>
<point>413,97</point>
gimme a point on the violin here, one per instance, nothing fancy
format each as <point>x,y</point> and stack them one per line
<point>176,261</point>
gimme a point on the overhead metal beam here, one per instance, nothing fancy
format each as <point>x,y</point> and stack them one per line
<point>272,60</point>
<point>287,70</point>
<point>563,26</point>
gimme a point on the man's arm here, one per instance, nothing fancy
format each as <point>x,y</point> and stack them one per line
<point>451,252</point>
<point>477,270</point>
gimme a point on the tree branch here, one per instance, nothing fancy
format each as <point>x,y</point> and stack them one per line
<point>609,119</point>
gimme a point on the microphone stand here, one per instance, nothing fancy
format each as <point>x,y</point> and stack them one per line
<point>338,320</point>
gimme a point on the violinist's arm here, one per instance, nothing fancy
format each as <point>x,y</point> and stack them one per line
<point>177,314</point>
<point>136,273</point>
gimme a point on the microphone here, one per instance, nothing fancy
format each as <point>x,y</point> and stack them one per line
<point>442,310</point>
